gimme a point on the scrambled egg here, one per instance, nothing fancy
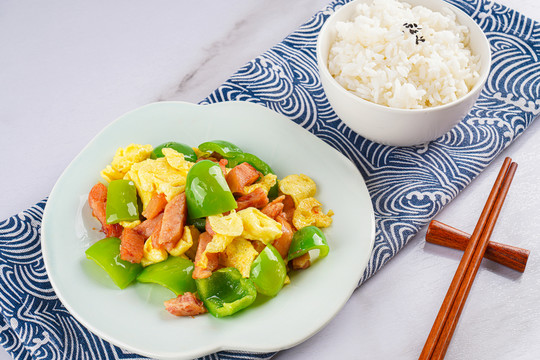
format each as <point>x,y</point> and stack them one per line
<point>218,244</point>
<point>124,159</point>
<point>240,254</point>
<point>229,225</point>
<point>165,175</point>
<point>309,212</point>
<point>129,224</point>
<point>227,228</point>
<point>177,160</point>
<point>184,244</point>
<point>258,226</point>
<point>287,280</point>
<point>265,183</point>
<point>151,254</point>
<point>298,187</point>
<point>231,234</point>
<point>192,251</point>
<point>200,153</point>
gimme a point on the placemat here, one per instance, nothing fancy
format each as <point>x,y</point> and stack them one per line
<point>408,185</point>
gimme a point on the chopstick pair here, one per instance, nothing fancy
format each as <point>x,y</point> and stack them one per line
<point>510,256</point>
<point>454,301</point>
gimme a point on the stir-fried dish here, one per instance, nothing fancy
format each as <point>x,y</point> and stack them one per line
<point>213,224</point>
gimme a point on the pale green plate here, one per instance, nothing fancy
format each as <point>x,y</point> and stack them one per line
<point>135,318</point>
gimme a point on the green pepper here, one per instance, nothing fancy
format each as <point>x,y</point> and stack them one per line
<point>273,192</point>
<point>173,273</point>
<point>226,292</point>
<point>222,147</point>
<point>189,153</point>
<point>121,202</point>
<point>268,271</point>
<point>207,192</point>
<point>252,160</point>
<point>199,223</point>
<point>106,253</point>
<point>306,239</point>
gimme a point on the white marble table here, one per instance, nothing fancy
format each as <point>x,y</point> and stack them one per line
<point>68,70</point>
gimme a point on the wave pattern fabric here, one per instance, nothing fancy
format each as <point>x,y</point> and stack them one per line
<point>408,185</point>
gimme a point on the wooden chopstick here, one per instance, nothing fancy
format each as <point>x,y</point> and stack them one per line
<point>507,255</point>
<point>459,302</point>
<point>451,294</point>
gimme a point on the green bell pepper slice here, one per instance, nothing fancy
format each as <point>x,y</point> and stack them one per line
<point>306,239</point>
<point>189,153</point>
<point>207,192</point>
<point>106,253</point>
<point>252,160</point>
<point>199,223</point>
<point>268,271</point>
<point>173,273</point>
<point>226,292</point>
<point>121,202</point>
<point>222,147</point>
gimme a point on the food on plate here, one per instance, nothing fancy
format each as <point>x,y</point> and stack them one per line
<point>403,56</point>
<point>106,253</point>
<point>212,224</point>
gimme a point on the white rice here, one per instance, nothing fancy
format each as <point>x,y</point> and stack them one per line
<point>381,56</point>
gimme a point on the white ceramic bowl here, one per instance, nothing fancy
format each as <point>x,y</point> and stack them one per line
<point>391,126</point>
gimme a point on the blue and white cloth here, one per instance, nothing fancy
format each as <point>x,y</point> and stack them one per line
<point>408,186</point>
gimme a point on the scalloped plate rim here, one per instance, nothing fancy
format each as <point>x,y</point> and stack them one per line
<point>225,344</point>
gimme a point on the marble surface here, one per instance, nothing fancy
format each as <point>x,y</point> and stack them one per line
<point>69,69</point>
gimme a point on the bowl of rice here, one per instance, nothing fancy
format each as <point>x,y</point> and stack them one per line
<point>402,73</point>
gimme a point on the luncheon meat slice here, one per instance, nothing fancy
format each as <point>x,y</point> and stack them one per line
<point>258,245</point>
<point>172,223</point>
<point>147,227</point>
<point>213,258</point>
<point>274,208</point>
<point>288,207</point>
<point>283,243</point>
<point>208,228</point>
<point>222,163</point>
<point>155,206</point>
<point>185,305</point>
<point>257,199</point>
<point>155,233</point>
<point>301,262</point>
<point>240,176</point>
<point>97,200</point>
<point>131,246</point>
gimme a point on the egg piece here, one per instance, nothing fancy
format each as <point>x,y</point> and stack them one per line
<point>129,224</point>
<point>265,183</point>
<point>309,212</point>
<point>218,244</point>
<point>229,225</point>
<point>258,226</point>
<point>151,255</point>
<point>192,251</point>
<point>287,280</point>
<point>153,176</point>
<point>200,154</point>
<point>177,160</point>
<point>298,187</point>
<point>123,160</point>
<point>184,244</point>
<point>240,254</point>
